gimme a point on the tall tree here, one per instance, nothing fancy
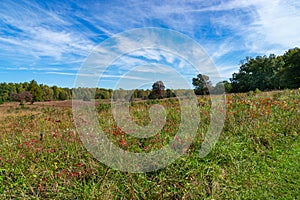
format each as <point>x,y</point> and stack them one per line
<point>4,92</point>
<point>260,72</point>
<point>55,92</point>
<point>220,87</point>
<point>47,92</point>
<point>202,84</point>
<point>36,91</point>
<point>290,74</point>
<point>158,90</point>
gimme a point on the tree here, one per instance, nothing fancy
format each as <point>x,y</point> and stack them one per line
<point>22,97</point>
<point>219,88</point>
<point>170,93</point>
<point>257,73</point>
<point>55,90</point>
<point>202,84</point>
<point>158,90</point>
<point>47,93</point>
<point>36,91</point>
<point>4,92</point>
<point>39,92</point>
<point>20,87</point>
<point>62,95</point>
<point>290,73</point>
<point>227,86</point>
<point>102,93</point>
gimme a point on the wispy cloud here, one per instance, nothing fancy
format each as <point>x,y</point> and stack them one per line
<point>58,37</point>
<point>116,77</point>
<point>33,68</point>
<point>268,28</point>
<point>153,69</point>
<point>34,31</point>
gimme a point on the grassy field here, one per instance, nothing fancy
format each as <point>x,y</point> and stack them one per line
<point>257,155</point>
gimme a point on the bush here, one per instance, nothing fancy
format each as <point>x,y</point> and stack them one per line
<point>85,98</point>
<point>103,107</point>
<point>257,91</point>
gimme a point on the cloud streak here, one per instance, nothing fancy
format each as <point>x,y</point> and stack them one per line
<point>35,35</point>
<point>34,31</point>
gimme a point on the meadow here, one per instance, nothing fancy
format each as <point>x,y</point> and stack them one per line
<point>256,157</point>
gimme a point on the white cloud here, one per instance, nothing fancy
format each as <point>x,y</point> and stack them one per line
<point>271,27</point>
<point>31,31</point>
<point>278,24</point>
<point>33,68</point>
<point>40,33</point>
<point>96,76</point>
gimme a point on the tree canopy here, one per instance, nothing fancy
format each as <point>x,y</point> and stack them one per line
<point>268,72</point>
<point>22,92</point>
<point>158,90</point>
<point>22,97</point>
<point>202,84</point>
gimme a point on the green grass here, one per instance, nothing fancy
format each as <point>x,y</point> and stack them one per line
<point>256,157</point>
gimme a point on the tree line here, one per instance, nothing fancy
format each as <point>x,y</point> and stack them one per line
<point>263,72</point>
<point>268,73</point>
<point>32,91</point>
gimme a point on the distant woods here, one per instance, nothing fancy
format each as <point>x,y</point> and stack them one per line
<point>32,92</point>
<point>262,73</point>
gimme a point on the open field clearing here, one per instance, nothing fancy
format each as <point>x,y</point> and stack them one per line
<point>256,157</point>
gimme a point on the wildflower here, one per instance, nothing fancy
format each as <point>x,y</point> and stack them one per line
<point>123,142</point>
<point>146,148</point>
<point>79,165</point>
<point>75,174</point>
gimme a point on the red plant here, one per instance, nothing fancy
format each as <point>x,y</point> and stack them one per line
<point>123,142</point>
<point>22,97</point>
<point>79,165</point>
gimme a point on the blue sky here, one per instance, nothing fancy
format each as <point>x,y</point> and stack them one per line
<point>50,40</point>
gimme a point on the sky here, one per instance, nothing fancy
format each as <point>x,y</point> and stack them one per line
<point>51,41</point>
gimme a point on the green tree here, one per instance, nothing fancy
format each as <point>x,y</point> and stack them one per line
<point>47,93</point>
<point>170,93</point>
<point>55,92</point>
<point>62,95</point>
<point>219,88</point>
<point>227,86</point>
<point>36,91</point>
<point>290,73</point>
<point>202,84</point>
<point>260,72</point>
<point>4,92</point>
<point>158,90</point>
<point>19,87</point>
<point>102,93</point>
<point>67,93</point>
